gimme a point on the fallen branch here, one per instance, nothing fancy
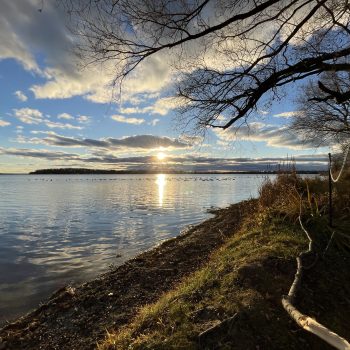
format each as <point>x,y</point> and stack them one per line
<point>304,321</point>
<point>226,322</point>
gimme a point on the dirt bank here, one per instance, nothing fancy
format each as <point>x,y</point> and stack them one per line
<point>76,318</point>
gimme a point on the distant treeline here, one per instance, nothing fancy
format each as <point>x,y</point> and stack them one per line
<point>82,171</point>
<point>74,171</point>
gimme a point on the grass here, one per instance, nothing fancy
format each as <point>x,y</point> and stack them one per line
<point>248,275</point>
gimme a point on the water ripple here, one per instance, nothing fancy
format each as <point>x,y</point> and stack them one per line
<point>60,229</point>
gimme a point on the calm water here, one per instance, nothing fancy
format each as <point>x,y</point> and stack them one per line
<point>56,230</point>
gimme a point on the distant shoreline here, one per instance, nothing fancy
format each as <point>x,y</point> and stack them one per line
<point>83,171</point>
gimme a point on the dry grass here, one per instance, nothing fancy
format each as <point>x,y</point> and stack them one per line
<point>248,276</point>
<point>234,281</point>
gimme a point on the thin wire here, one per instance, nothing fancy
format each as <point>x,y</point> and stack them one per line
<point>329,243</point>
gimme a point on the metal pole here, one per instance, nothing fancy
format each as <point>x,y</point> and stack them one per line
<point>330,211</point>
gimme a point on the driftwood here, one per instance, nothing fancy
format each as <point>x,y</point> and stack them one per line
<point>311,325</point>
<point>304,321</point>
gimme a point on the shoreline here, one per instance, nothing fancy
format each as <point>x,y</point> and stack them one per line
<point>113,172</point>
<point>78,317</point>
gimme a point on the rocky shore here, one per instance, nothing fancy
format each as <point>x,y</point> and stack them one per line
<point>77,317</point>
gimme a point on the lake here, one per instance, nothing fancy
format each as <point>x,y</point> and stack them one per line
<point>63,229</point>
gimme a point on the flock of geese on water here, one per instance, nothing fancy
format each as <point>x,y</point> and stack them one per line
<point>136,179</point>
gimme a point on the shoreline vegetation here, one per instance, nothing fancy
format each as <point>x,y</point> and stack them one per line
<point>82,171</point>
<point>219,285</point>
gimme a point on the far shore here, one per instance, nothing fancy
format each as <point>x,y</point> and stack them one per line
<point>83,171</point>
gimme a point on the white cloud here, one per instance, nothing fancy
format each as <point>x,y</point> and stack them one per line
<point>22,34</point>
<point>4,123</point>
<point>39,132</point>
<point>34,116</point>
<point>162,107</point>
<point>154,122</point>
<point>287,114</point>
<point>122,119</point>
<point>20,95</point>
<point>83,119</point>
<point>29,115</point>
<point>93,84</point>
<point>66,116</point>
<point>191,140</point>
<point>263,112</point>
<point>272,135</point>
<point>132,110</point>
<point>56,125</point>
<point>151,77</point>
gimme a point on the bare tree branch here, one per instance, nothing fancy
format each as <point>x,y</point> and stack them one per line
<point>231,54</point>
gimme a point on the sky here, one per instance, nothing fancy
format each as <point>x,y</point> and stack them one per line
<point>56,113</point>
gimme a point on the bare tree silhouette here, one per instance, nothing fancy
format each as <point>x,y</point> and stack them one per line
<point>232,54</point>
<point>325,112</point>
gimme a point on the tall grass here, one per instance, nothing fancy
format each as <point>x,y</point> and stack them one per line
<point>291,195</point>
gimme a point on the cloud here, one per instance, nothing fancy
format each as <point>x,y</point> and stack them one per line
<point>287,114</point>
<point>272,135</point>
<point>132,110</point>
<point>12,43</point>
<point>33,153</point>
<point>56,125</point>
<point>145,142</point>
<point>94,84</point>
<point>188,162</point>
<point>22,35</point>
<point>29,115</point>
<point>154,122</point>
<point>66,116</point>
<point>263,112</point>
<point>162,107</point>
<point>34,116</point>
<point>4,123</point>
<point>122,119</point>
<point>191,139</point>
<point>152,76</point>
<point>83,119</point>
<point>20,95</point>
<point>19,129</point>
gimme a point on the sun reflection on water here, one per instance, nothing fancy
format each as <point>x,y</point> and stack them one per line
<point>161,181</point>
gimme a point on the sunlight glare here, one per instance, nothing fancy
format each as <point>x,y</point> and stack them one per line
<point>161,180</point>
<point>161,156</point>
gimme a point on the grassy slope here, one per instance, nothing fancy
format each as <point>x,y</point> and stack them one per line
<point>248,275</point>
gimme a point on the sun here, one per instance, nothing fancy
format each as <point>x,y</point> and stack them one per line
<point>161,156</point>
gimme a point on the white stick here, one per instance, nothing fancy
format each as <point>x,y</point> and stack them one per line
<point>342,167</point>
<point>306,322</point>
